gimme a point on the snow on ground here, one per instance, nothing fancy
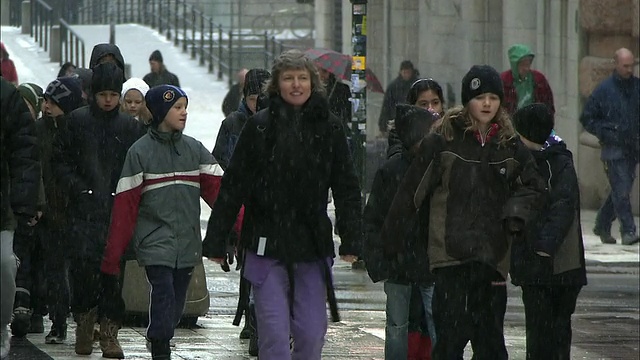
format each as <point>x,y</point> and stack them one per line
<point>136,43</point>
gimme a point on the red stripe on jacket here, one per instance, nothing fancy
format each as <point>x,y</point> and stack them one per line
<point>124,215</point>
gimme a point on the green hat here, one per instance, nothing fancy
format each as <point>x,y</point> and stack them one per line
<point>33,94</point>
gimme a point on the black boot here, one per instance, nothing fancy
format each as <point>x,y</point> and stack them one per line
<point>253,325</point>
<point>160,350</point>
<point>247,330</point>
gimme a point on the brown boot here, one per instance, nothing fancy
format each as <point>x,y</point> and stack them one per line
<point>84,331</point>
<point>109,339</point>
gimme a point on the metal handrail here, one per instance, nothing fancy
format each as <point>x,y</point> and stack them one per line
<point>41,23</point>
<point>72,48</point>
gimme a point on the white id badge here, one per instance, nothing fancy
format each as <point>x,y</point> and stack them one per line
<point>262,244</point>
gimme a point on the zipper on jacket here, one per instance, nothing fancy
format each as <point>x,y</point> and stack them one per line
<point>483,139</point>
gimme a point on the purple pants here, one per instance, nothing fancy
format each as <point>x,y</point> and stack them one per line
<point>308,325</point>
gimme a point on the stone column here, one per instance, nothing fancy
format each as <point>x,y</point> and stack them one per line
<point>26,17</point>
<point>4,14</point>
<point>55,51</point>
<point>519,22</point>
<point>323,24</point>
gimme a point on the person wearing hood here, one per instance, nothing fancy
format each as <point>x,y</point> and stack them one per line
<point>611,114</point>
<point>523,85</point>
<point>173,171</point>
<point>159,74</point>
<point>481,186</point>
<point>410,267</point>
<point>549,262</point>
<point>105,52</point>
<point>61,97</point>
<point>396,93</point>
<point>89,155</point>
<point>287,158</point>
<point>234,95</point>
<point>132,100</point>
<point>231,126</point>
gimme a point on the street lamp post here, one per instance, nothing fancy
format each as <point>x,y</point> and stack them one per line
<point>358,87</point>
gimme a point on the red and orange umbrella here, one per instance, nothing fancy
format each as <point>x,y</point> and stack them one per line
<point>340,65</point>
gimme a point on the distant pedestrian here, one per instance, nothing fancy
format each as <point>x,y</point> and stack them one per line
<point>67,69</point>
<point>132,100</point>
<point>338,95</point>
<point>396,93</point>
<point>478,181</point>
<point>234,95</point>
<point>523,85</point>
<point>231,126</point>
<point>20,177</point>
<point>287,158</point>
<point>612,114</point>
<point>158,209</point>
<point>102,53</point>
<point>548,262</point>
<point>7,67</point>
<point>159,74</point>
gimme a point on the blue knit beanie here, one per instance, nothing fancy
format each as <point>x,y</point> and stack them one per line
<point>160,99</point>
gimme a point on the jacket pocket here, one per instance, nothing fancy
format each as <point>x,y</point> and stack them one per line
<point>141,238</point>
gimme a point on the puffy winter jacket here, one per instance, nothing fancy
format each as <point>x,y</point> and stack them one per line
<point>20,174</point>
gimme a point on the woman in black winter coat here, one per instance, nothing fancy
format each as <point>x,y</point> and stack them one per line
<point>409,268</point>
<point>287,158</point>
<point>549,263</point>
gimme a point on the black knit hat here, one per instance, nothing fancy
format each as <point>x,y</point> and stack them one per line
<point>412,123</point>
<point>65,92</point>
<point>254,80</point>
<point>534,122</point>
<point>107,77</point>
<point>156,55</point>
<point>479,80</point>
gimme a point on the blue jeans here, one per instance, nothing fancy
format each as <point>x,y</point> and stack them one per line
<point>396,329</point>
<point>621,174</point>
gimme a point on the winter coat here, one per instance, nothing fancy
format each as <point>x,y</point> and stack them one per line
<point>157,203</point>
<point>232,100</point>
<point>20,172</point>
<point>281,170</point>
<point>396,94</point>
<point>473,191</point>
<point>57,200</point>
<point>412,265</point>
<point>89,156</point>
<point>556,228</point>
<point>163,77</point>
<point>8,71</point>
<point>611,114</point>
<point>229,133</point>
<point>540,88</point>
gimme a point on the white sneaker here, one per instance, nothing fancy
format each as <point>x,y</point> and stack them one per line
<point>5,343</point>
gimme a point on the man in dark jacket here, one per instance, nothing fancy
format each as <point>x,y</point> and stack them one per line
<point>411,266</point>
<point>231,126</point>
<point>338,94</point>
<point>548,263</point>
<point>102,53</point>
<point>19,183</point>
<point>612,114</point>
<point>159,74</point>
<point>61,97</point>
<point>89,156</point>
<point>396,93</point>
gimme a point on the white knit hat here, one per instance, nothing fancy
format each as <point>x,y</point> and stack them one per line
<point>135,83</point>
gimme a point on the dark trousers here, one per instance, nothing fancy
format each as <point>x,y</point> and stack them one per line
<point>621,174</point>
<point>548,311</point>
<point>56,266</point>
<point>469,303</point>
<point>30,284</point>
<point>88,291</point>
<point>168,297</point>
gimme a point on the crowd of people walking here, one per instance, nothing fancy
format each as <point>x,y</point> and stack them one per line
<point>471,196</point>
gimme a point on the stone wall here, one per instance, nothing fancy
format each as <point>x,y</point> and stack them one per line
<point>608,26</point>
